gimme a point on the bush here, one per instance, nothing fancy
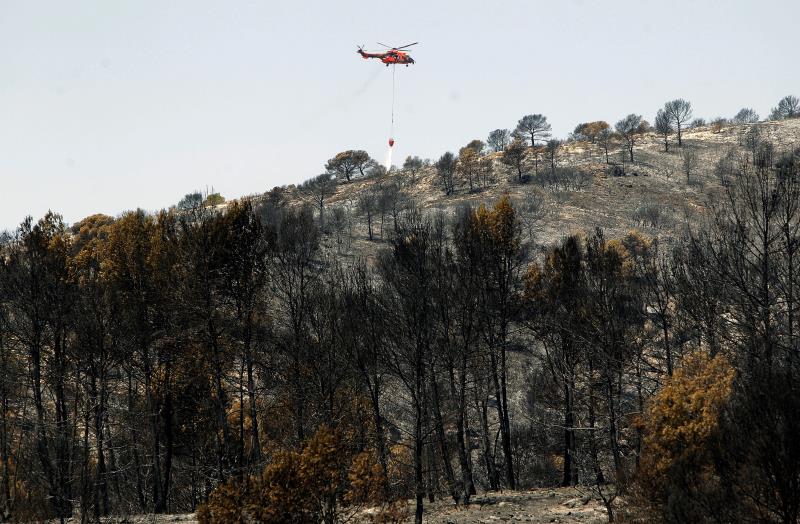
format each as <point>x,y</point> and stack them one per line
<point>191,200</point>
<point>616,170</point>
<point>677,475</point>
<point>788,107</point>
<point>718,124</point>
<point>727,167</point>
<point>214,199</point>
<point>564,179</point>
<point>314,484</point>
<point>697,122</point>
<point>746,116</point>
<point>652,214</point>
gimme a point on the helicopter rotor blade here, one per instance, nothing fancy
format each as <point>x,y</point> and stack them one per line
<point>384,45</point>
<point>407,45</point>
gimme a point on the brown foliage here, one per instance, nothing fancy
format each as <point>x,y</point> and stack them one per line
<point>314,484</point>
<point>677,475</point>
<point>590,130</point>
<point>367,482</point>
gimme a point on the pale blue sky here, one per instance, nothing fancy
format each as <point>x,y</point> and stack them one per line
<point>112,105</point>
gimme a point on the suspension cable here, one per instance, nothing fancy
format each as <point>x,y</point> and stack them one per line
<point>394,87</point>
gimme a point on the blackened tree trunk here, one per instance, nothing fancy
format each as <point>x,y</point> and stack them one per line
<point>5,453</point>
<point>137,468</point>
<point>598,470</point>
<point>63,444</point>
<point>161,505</point>
<point>505,422</point>
<point>499,382</point>
<point>41,435</point>
<point>100,492</point>
<point>255,441</point>
<point>488,456</point>
<point>155,430</point>
<point>613,437</point>
<point>221,400</point>
<point>379,429</point>
<point>570,478</point>
<point>459,393</point>
<point>419,442</point>
<point>443,447</point>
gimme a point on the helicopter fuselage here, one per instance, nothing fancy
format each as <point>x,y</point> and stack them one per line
<point>389,57</point>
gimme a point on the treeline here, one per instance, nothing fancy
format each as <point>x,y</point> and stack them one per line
<point>529,151</point>
<point>222,360</point>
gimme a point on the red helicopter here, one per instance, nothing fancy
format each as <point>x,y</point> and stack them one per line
<point>394,55</point>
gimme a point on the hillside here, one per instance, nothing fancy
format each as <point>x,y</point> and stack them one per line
<point>654,195</point>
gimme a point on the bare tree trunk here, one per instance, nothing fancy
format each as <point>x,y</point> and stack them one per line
<point>612,429</point>
<point>640,400</point>
<point>85,478</point>
<point>420,419</point>
<point>506,423</point>
<point>4,434</point>
<point>100,482</point>
<point>569,432</point>
<point>467,484</point>
<point>221,401</point>
<point>255,441</point>
<point>498,378</point>
<point>488,456</point>
<point>593,427</point>
<point>240,454</point>
<point>433,473</point>
<point>134,445</point>
<point>41,435</point>
<point>155,443</point>
<point>299,413</point>
<point>443,447</point>
<point>162,505</point>
<point>470,465</point>
<point>419,485</point>
<point>112,463</point>
<point>5,460</point>
<point>379,430</point>
<point>63,455</point>
<point>667,348</point>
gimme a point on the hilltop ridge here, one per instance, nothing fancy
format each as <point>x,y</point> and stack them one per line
<point>654,195</point>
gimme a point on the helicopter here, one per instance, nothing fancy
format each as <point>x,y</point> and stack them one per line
<point>395,55</point>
